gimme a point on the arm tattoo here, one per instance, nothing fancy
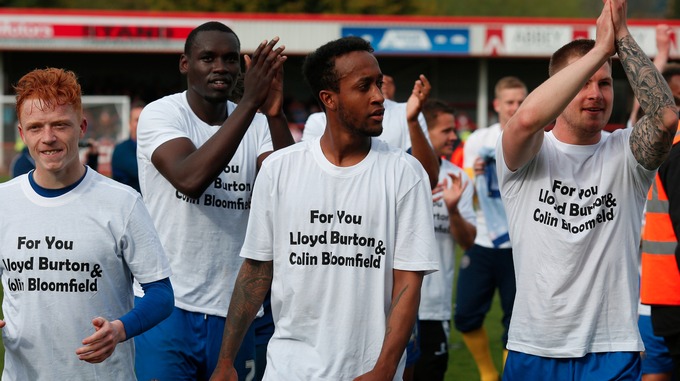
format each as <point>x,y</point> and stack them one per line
<point>394,304</point>
<point>650,141</point>
<point>253,283</point>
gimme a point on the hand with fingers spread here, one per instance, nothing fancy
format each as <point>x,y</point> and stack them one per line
<point>420,147</point>
<point>273,105</point>
<point>450,194</point>
<point>263,82</point>
<point>419,95</point>
<point>100,345</point>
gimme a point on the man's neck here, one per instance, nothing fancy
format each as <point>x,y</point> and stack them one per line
<point>344,149</point>
<point>211,113</point>
<point>569,134</point>
<point>58,179</point>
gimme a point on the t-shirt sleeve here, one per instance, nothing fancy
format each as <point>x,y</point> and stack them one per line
<point>265,138</point>
<point>415,247</point>
<point>259,238</point>
<point>157,125</point>
<point>510,182</point>
<point>142,248</point>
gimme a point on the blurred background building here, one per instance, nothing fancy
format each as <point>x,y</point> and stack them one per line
<point>133,55</point>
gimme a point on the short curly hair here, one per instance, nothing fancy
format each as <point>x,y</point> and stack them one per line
<point>319,66</point>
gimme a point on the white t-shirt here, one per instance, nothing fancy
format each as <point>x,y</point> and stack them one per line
<point>437,291</point>
<point>335,235</point>
<point>575,216</point>
<point>202,237</point>
<point>65,261</point>
<point>481,138</point>
<point>395,126</point>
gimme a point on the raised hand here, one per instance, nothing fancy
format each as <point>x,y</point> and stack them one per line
<point>605,31</point>
<point>264,70</point>
<point>619,9</point>
<point>663,38</point>
<point>419,94</point>
<point>450,194</point>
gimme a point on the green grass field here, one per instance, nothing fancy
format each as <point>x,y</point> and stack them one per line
<point>461,365</point>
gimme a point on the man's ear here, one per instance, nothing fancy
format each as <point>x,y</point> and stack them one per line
<point>83,128</point>
<point>329,100</point>
<point>496,105</point>
<point>183,64</point>
<point>21,132</point>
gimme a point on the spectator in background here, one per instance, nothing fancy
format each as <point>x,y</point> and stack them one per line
<point>124,159</point>
<point>21,163</point>
<point>389,89</point>
<point>296,114</point>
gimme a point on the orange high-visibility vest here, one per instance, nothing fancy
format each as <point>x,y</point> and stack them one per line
<point>660,279</point>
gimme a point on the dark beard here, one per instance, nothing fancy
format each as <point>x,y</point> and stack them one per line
<point>352,125</point>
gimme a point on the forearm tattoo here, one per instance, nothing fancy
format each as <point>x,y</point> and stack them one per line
<point>395,303</point>
<point>253,283</point>
<point>650,141</point>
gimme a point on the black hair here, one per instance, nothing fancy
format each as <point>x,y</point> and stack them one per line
<point>319,66</point>
<point>209,26</point>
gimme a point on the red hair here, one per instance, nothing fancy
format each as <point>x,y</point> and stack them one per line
<point>53,87</point>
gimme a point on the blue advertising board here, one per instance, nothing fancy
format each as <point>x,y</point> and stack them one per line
<point>414,40</point>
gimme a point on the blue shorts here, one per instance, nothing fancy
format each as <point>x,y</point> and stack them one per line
<point>620,366</point>
<point>656,358</point>
<point>185,347</point>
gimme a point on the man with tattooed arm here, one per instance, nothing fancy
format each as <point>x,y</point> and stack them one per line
<point>574,199</point>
